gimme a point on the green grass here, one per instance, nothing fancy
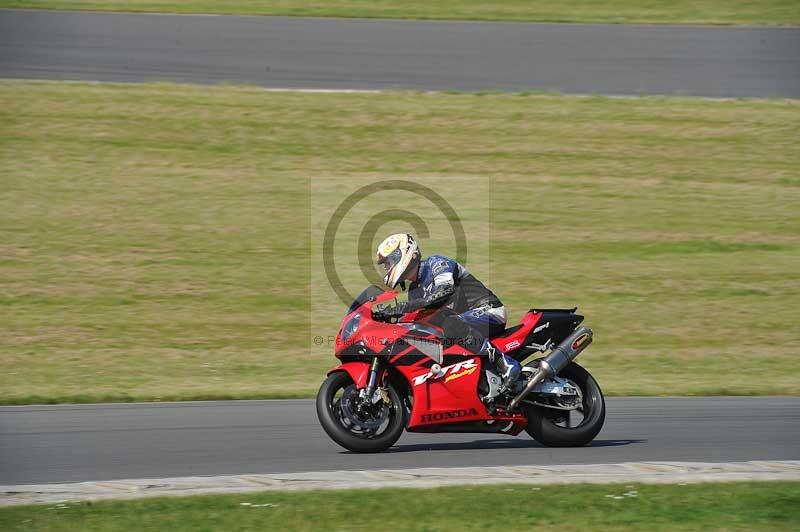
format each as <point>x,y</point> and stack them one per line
<point>771,12</point>
<point>771,506</point>
<point>155,239</point>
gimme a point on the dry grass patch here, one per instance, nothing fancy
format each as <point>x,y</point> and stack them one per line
<point>155,238</point>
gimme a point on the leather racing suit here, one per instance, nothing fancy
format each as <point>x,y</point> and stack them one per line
<point>475,314</point>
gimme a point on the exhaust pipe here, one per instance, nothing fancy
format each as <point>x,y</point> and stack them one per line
<point>558,359</point>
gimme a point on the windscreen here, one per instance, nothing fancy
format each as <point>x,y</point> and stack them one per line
<point>368,293</point>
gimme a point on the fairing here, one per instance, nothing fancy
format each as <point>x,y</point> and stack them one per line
<point>516,339</point>
<point>358,371</point>
<point>372,335</point>
<point>449,398</point>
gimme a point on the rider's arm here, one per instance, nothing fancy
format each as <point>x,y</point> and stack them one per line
<point>441,288</point>
<point>438,295</point>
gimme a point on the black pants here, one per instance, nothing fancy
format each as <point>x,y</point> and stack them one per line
<point>471,328</point>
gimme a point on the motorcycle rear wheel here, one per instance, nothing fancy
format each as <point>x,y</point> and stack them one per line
<point>337,419</point>
<point>543,423</point>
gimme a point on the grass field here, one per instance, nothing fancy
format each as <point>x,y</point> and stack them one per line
<point>770,12</point>
<point>769,506</point>
<point>154,239</point>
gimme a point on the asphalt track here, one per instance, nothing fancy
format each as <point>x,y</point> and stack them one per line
<point>43,444</point>
<point>383,54</point>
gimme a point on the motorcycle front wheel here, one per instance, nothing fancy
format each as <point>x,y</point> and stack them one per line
<point>359,425</point>
<point>569,428</point>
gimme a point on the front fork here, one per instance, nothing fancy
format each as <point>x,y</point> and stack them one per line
<point>372,379</point>
<point>367,378</point>
<point>368,393</point>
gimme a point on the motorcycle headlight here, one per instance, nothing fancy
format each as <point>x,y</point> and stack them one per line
<point>350,327</point>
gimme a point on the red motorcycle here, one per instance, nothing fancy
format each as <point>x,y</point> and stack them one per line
<point>408,376</point>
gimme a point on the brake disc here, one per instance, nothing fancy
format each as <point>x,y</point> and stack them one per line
<point>366,420</point>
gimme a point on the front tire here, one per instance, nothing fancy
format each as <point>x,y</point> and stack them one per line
<point>335,410</point>
<point>544,423</point>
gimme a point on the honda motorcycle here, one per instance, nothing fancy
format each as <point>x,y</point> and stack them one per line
<point>408,376</point>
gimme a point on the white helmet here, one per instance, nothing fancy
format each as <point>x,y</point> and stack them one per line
<point>397,254</point>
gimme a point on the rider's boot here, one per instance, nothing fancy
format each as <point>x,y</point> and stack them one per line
<point>508,368</point>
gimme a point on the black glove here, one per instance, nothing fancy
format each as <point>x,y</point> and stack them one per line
<point>389,314</point>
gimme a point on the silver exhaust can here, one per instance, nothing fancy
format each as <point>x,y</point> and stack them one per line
<point>558,359</point>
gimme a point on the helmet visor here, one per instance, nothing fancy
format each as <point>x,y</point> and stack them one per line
<point>390,261</point>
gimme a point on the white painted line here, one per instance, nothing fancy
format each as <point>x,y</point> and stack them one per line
<point>409,19</point>
<point>629,472</point>
<point>328,91</point>
<point>533,92</point>
<point>228,85</point>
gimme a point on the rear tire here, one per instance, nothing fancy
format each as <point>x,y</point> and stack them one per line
<point>330,416</point>
<point>542,421</point>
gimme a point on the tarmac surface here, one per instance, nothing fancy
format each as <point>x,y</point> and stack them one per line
<point>68,443</point>
<point>286,52</point>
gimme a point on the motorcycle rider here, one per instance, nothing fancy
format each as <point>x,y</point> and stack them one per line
<point>475,314</point>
